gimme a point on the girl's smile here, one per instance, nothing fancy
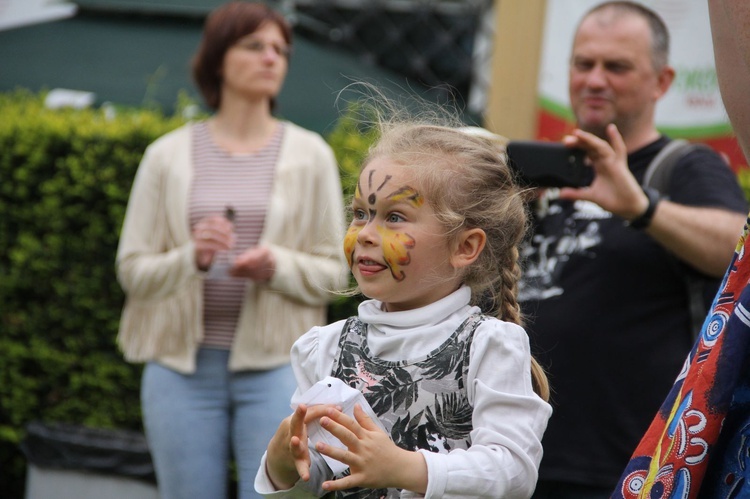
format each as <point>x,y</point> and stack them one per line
<point>369,267</point>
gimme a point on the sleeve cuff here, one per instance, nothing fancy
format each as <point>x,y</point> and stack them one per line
<point>319,473</point>
<point>437,474</point>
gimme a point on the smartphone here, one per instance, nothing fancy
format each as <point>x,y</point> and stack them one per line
<point>548,164</point>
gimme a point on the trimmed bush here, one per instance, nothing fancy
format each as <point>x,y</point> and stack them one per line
<point>65,180</point>
<point>350,141</point>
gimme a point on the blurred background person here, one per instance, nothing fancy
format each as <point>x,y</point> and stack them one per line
<point>229,251</point>
<point>604,289</point>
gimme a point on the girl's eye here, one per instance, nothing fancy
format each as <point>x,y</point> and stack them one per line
<point>360,215</point>
<point>394,218</point>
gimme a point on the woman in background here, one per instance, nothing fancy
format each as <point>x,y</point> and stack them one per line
<point>229,251</point>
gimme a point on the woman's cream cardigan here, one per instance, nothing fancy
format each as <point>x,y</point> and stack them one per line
<point>163,314</point>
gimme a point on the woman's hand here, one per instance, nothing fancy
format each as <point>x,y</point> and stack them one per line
<point>288,458</point>
<point>374,461</point>
<point>211,234</point>
<point>256,263</point>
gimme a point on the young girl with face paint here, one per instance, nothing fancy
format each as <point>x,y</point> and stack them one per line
<point>436,224</point>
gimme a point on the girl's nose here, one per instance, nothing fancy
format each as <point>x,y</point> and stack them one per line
<point>368,234</point>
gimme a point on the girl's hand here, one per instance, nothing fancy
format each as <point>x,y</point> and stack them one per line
<point>614,187</point>
<point>211,234</point>
<point>288,458</point>
<point>256,263</point>
<point>374,460</point>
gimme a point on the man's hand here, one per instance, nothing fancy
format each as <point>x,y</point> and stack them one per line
<point>614,188</point>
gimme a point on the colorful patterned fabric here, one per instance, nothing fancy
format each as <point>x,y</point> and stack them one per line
<point>697,445</point>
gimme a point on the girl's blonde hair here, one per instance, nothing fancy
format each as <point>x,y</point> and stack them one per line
<point>467,181</point>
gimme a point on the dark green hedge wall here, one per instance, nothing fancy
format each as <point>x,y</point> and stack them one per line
<point>65,178</point>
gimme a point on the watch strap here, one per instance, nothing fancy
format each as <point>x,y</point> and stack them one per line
<point>643,220</point>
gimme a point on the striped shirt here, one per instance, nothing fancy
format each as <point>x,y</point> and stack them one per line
<point>242,182</point>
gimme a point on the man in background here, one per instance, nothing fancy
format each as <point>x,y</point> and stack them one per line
<point>604,290</point>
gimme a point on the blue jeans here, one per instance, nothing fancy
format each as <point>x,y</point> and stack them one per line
<point>195,423</point>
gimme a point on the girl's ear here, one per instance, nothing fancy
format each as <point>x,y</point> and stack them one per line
<point>468,247</point>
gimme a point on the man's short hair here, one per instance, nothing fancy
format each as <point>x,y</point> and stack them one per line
<point>659,32</point>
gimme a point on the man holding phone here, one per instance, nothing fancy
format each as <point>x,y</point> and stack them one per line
<point>604,290</point>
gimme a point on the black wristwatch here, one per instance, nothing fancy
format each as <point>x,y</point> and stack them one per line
<point>644,219</point>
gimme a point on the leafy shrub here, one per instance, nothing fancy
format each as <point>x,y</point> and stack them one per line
<point>350,140</point>
<point>66,177</point>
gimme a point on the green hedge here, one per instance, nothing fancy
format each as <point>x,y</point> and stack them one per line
<point>65,177</point>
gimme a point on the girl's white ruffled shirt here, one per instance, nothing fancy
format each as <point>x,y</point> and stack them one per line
<point>509,419</point>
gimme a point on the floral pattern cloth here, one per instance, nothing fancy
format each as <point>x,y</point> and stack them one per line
<point>697,445</point>
<point>422,402</point>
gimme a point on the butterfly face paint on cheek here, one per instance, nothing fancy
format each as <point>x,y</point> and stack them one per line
<point>350,239</point>
<point>396,246</point>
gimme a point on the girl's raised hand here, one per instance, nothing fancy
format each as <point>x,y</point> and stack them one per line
<point>288,458</point>
<point>374,460</point>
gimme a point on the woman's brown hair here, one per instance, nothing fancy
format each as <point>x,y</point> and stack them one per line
<point>223,28</point>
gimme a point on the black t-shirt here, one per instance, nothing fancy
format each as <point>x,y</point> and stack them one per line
<point>606,310</point>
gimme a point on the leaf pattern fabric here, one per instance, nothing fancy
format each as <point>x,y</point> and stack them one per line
<point>422,402</point>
